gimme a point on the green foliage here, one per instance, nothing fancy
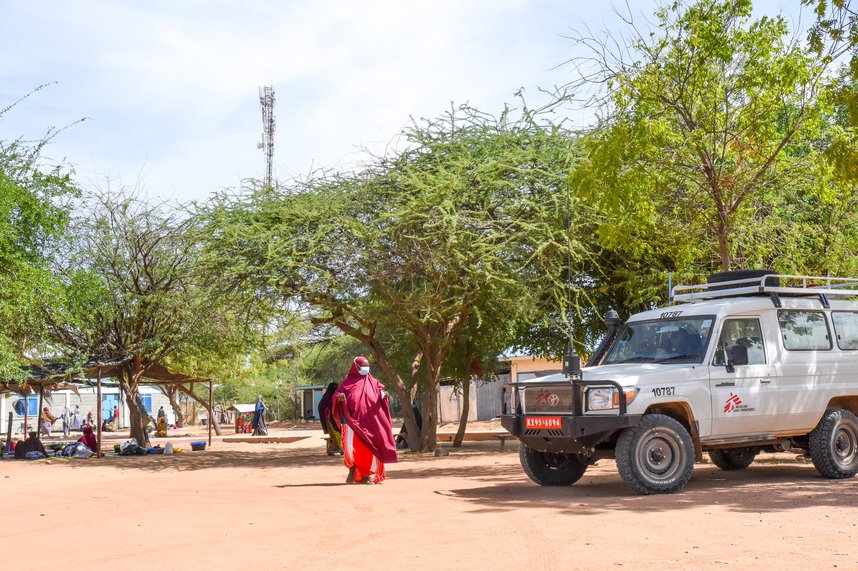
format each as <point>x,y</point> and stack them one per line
<point>461,231</point>
<point>33,216</point>
<point>715,115</point>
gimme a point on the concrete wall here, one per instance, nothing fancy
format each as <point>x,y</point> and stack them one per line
<point>485,402</point>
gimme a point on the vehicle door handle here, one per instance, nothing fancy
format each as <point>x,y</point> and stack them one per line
<point>765,381</point>
<point>726,384</point>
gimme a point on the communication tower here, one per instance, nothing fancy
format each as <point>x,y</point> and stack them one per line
<point>266,100</point>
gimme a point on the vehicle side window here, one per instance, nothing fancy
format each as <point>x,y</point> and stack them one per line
<point>846,329</point>
<point>804,330</point>
<point>745,332</point>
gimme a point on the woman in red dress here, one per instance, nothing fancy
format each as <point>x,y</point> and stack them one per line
<point>362,411</point>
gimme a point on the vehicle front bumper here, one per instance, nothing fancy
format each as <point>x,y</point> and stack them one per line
<point>578,434</point>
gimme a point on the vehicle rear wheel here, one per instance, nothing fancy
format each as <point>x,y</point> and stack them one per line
<point>833,444</point>
<point>733,458</point>
<point>551,469</point>
<point>656,456</point>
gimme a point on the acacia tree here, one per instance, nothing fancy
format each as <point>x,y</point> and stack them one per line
<point>132,295</point>
<point>406,251</point>
<point>705,113</point>
<point>33,216</point>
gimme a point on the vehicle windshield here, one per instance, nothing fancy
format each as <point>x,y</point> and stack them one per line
<point>677,340</point>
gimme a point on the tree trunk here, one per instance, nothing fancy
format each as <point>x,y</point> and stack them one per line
<point>463,419</point>
<point>430,416</point>
<point>171,392</point>
<point>130,384</point>
<point>215,424</point>
<point>723,246</point>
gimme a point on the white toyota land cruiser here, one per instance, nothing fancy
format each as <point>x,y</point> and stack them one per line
<point>749,362</point>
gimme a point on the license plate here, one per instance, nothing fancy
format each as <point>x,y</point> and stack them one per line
<point>539,422</point>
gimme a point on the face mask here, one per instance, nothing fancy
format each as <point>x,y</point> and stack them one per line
<point>363,371</point>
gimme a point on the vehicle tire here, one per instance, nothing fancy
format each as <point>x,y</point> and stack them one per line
<point>733,458</point>
<point>656,456</point>
<point>550,469</point>
<point>833,444</point>
<point>740,275</point>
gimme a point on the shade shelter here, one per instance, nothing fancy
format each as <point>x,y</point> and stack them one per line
<point>57,376</point>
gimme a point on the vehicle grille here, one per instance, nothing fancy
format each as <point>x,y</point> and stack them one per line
<point>548,400</point>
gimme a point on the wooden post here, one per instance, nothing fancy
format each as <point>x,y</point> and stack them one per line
<point>98,412</point>
<point>9,432</point>
<point>210,414</point>
<point>41,404</point>
<point>26,411</point>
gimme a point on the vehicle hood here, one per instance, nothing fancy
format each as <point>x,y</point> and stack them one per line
<point>633,374</point>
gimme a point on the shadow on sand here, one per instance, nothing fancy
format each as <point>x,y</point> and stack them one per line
<point>498,483</point>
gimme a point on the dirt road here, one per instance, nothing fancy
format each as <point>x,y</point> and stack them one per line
<point>286,506</point>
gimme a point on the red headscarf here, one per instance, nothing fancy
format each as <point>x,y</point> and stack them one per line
<point>366,411</point>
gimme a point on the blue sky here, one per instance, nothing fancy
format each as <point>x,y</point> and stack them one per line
<point>170,88</point>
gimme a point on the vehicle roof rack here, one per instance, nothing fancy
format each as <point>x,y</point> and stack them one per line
<point>782,285</point>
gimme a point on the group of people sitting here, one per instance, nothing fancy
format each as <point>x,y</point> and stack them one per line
<point>32,448</point>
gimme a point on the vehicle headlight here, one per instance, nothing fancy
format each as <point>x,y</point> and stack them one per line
<point>608,398</point>
<point>600,399</point>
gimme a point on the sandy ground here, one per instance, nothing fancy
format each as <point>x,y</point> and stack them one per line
<point>286,506</point>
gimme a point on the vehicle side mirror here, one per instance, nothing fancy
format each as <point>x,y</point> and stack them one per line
<point>739,355</point>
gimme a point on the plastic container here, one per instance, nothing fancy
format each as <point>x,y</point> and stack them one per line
<point>156,450</point>
<point>168,449</point>
<point>196,446</point>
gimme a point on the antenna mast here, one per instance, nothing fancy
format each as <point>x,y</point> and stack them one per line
<point>266,100</point>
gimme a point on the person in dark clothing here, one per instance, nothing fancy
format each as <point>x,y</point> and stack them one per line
<point>334,443</point>
<point>259,427</point>
<point>32,444</point>
<point>401,440</point>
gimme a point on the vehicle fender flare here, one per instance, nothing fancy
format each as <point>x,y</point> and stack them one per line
<point>682,413</point>
<point>848,402</point>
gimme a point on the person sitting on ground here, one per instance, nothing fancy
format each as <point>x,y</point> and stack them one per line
<point>31,444</point>
<point>161,427</point>
<point>89,439</point>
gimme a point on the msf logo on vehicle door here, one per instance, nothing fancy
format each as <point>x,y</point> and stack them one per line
<point>734,404</point>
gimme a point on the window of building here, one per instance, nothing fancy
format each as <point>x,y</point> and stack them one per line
<point>147,402</point>
<point>846,329</point>
<point>31,403</point>
<point>804,330</point>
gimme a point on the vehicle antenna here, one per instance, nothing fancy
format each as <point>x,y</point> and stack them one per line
<point>571,362</point>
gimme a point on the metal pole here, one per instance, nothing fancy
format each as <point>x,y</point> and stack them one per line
<point>210,414</point>
<point>98,412</point>
<point>669,288</point>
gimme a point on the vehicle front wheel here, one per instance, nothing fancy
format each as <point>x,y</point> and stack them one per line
<point>833,444</point>
<point>656,456</point>
<point>550,469</point>
<point>732,459</point>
